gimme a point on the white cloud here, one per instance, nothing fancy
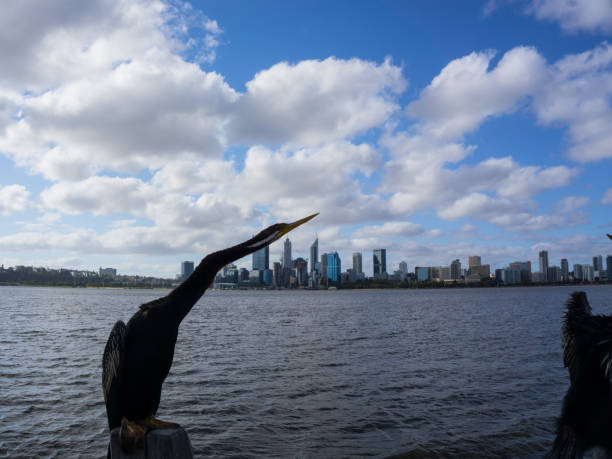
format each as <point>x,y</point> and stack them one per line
<point>570,204</point>
<point>316,101</point>
<point>194,177</point>
<point>578,94</point>
<point>389,229</point>
<point>479,205</point>
<point>466,92</point>
<point>114,195</point>
<point>13,198</point>
<point>606,199</point>
<point>575,15</point>
<point>99,195</point>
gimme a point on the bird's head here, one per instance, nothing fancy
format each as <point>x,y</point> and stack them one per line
<point>609,235</point>
<point>275,232</point>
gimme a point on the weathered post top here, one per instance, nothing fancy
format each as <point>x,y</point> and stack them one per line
<point>159,444</point>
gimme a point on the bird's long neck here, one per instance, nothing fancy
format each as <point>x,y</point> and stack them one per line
<point>186,295</point>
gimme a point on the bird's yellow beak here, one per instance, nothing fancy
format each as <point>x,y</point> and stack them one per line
<point>291,226</point>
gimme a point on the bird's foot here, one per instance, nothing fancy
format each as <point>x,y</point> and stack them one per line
<point>153,423</point>
<point>132,436</point>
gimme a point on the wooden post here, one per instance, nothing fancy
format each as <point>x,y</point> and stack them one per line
<point>160,444</point>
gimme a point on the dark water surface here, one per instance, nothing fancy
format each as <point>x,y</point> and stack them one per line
<point>466,373</point>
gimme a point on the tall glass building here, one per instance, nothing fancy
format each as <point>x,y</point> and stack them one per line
<point>261,259</point>
<point>287,262</point>
<point>314,255</point>
<point>333,266</point>
<point>543,256</point>
<point>357,263</point>
<point>380,261</point>
<point>186,269</point>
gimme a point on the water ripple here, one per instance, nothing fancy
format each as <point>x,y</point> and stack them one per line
<point>454,373</point>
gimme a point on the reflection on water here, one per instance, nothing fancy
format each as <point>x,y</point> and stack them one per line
<point>475,372</point>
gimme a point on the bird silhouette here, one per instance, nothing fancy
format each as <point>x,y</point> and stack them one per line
<point>586,416</point>
<point>138,356</point>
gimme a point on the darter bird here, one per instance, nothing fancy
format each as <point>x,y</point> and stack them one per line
<point>138,356</point>
<point>586,416</point>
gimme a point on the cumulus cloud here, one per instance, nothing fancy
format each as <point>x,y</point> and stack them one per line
<point>115,195</point>
<point>571,204</point>
<point>579,95</point>
<point>390,229</point>
<point>466,91</point>
<point>575,15</point>
<point>316,101</point>
<point>105,87</point>
<point>13,198</point>
<point>606,199</point>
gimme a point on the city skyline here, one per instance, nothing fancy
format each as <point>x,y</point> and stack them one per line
<point>134,134</point>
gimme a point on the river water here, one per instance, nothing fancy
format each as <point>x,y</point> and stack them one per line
<point>424,373</point>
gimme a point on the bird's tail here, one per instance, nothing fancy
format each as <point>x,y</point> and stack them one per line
<point>565,446</point>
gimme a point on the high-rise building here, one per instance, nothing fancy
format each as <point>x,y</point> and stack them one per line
<point>483,271</point>
<point>553,274</point>
<point>357,262</point>
<point>609,267</point>
<point>287,263</point>
<point>474,260</point>
<point>455,269</point>
<point>380,261</point>
<point>186,269</point>
<point>422,273</point>
<point>588,274</point>
<point>578,272</point>
<point>301,271</point>
<point>324,275</point>
<point>277,273</point>
<point>314,255</point>
<point>525,269</point>
<point>403,266</point>
<point>543,257</point>
<point>333,266</point>
<point>261,258</point>
<point>597,263</point>
<point>564,270</point>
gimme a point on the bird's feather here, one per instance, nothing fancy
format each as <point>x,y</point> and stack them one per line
<point>111,360</point>
<point>576,328</point>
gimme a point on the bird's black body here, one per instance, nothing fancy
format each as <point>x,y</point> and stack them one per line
<point>146,358</point>
<point>138,356</point>
<point>586,417</point>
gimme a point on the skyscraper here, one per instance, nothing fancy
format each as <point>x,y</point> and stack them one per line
<point>474,260</point>
<point>609,267</point>
<point>314,255</point>
<point>380,261</point>
<point>597,263</point>
<point>333,266</point>
<point>455,269</point>
<point>357,265</point>
<point>403,266</point>
<point>543,261</point>
<point>287,254</point>
<point>324,267</point>
<point>578,272</point>
<point>261,258</point>
<point>564,270</point>
<point>186,269</point>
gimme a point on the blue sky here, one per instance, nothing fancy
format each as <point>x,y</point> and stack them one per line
<point>139,134</point>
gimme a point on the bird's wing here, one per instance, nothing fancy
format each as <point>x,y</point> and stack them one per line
<point>577,329</point>
<point>113,353</point>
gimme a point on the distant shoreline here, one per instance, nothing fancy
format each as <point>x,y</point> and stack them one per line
<point>338,288</point>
